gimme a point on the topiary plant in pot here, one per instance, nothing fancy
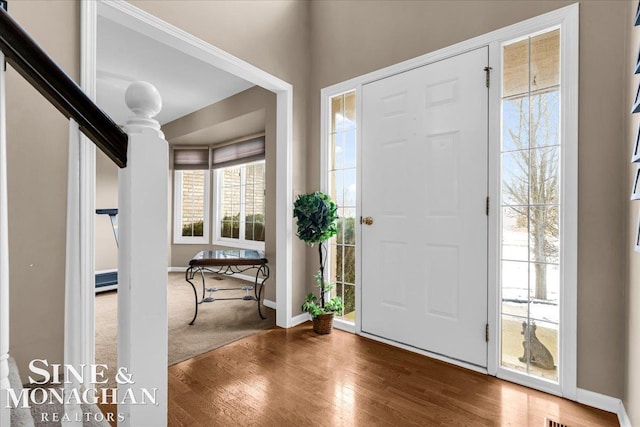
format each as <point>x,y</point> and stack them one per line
<point>316,216</point>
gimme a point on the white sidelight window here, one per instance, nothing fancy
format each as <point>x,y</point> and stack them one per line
<point>531,251</point>
<point>341,186</point>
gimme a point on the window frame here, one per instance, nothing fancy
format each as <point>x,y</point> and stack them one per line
<point>216,197</point>
<point>178,238</point>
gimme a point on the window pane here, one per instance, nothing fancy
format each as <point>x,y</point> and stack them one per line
<point>338,292</point>
<point>543,349</point>
<point>350,110</point>
<point>515,178</point>
<point>349,187</point>
<point>515,281</point>
<point>544,294</point>
<point>193,202</point>
<point>242,201</point>
<point>350,264</point>
<point>339,239</point>
<point>512,342</point>
<point>544,176</point>
<point>336,187</point>
<point>515,76</point>
<point>515,235</point>
<point>339,263</point>
<point>349,301</point>
<point>350,148</point>
<point>545,116</point>
<point>515,123</point>
<point>545,60</point>
<point>349,224</point>
<point>332,264</point>
<point>337,112</point>
<point>337,151</point>
<point>544,234</point>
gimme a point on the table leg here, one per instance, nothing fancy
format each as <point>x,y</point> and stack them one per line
<point>189,275</point>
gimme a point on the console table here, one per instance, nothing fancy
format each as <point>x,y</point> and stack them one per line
<point>228,262</point>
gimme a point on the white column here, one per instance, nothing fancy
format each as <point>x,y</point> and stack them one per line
<point>5,416</point>
<point>73,324</point>
<point>142,261</point>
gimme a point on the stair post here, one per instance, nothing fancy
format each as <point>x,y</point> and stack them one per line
<point>143,262</point>
<point>5,415</point>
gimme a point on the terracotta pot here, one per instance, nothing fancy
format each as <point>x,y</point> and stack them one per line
<point>323,323</point>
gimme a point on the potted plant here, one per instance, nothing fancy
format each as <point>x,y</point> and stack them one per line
<point>316,216</point>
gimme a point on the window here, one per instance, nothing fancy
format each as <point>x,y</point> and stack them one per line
<point>238,193</point>
<point>240,200</point>
<point>341,178</point>
<point>531,208</point>
<point>191,209</point>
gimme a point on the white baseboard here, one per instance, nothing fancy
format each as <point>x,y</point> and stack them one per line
<point>300,318</point>
<point>268,303</point>
<point>623,417</point>
<point>600,401</point>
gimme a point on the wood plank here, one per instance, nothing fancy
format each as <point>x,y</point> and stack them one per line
<point>295,377</point>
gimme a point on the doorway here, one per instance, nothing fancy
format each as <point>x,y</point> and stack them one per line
<point>138,20</point>
<point>424,192</point>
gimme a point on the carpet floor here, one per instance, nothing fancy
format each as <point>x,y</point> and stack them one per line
<point>218,323</point>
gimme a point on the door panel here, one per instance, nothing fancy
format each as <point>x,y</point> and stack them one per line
<point>424,181</point>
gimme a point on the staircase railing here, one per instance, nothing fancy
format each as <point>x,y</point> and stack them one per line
<point>24,54</point>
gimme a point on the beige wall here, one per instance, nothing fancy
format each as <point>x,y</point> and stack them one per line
<point>632,291</point>
<point>37,150</point>
<point>352,38</point>
<point>250,100</point>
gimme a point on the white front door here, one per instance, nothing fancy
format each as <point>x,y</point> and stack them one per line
<point>424,186</point>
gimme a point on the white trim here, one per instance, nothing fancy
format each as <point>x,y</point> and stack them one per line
<point>5,414</point>
<point>344,325</point>
<point>597,400</point>
<point>493,233</point>
<point>129,15</point>
<point>270,304</point>
<point>528,381</point>
<point>623,417</point>
<point>436,356</point>
<point>300,319</point>
<point>567,17</point>
<point>178,238</point>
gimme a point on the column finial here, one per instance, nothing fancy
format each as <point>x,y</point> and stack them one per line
<point>144,100</point>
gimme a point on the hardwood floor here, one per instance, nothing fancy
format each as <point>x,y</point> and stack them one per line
<point>295,377</point>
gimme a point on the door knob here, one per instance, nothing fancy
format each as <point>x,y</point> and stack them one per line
<point>367,220</point>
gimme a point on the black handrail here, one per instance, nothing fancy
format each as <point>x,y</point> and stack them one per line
<point>24,54</point>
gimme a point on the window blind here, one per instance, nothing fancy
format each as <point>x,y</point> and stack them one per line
<point>191,158</point>
<point>240,152</point>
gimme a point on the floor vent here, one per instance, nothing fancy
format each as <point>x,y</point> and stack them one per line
<point>553,423</point>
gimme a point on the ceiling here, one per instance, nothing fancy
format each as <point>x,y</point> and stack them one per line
<point>185,84</point>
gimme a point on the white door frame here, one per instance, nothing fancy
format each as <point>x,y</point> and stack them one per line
<point>567,19</point>
<point>151,26</point>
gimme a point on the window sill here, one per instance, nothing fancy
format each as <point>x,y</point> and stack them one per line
<point>190,241</point>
